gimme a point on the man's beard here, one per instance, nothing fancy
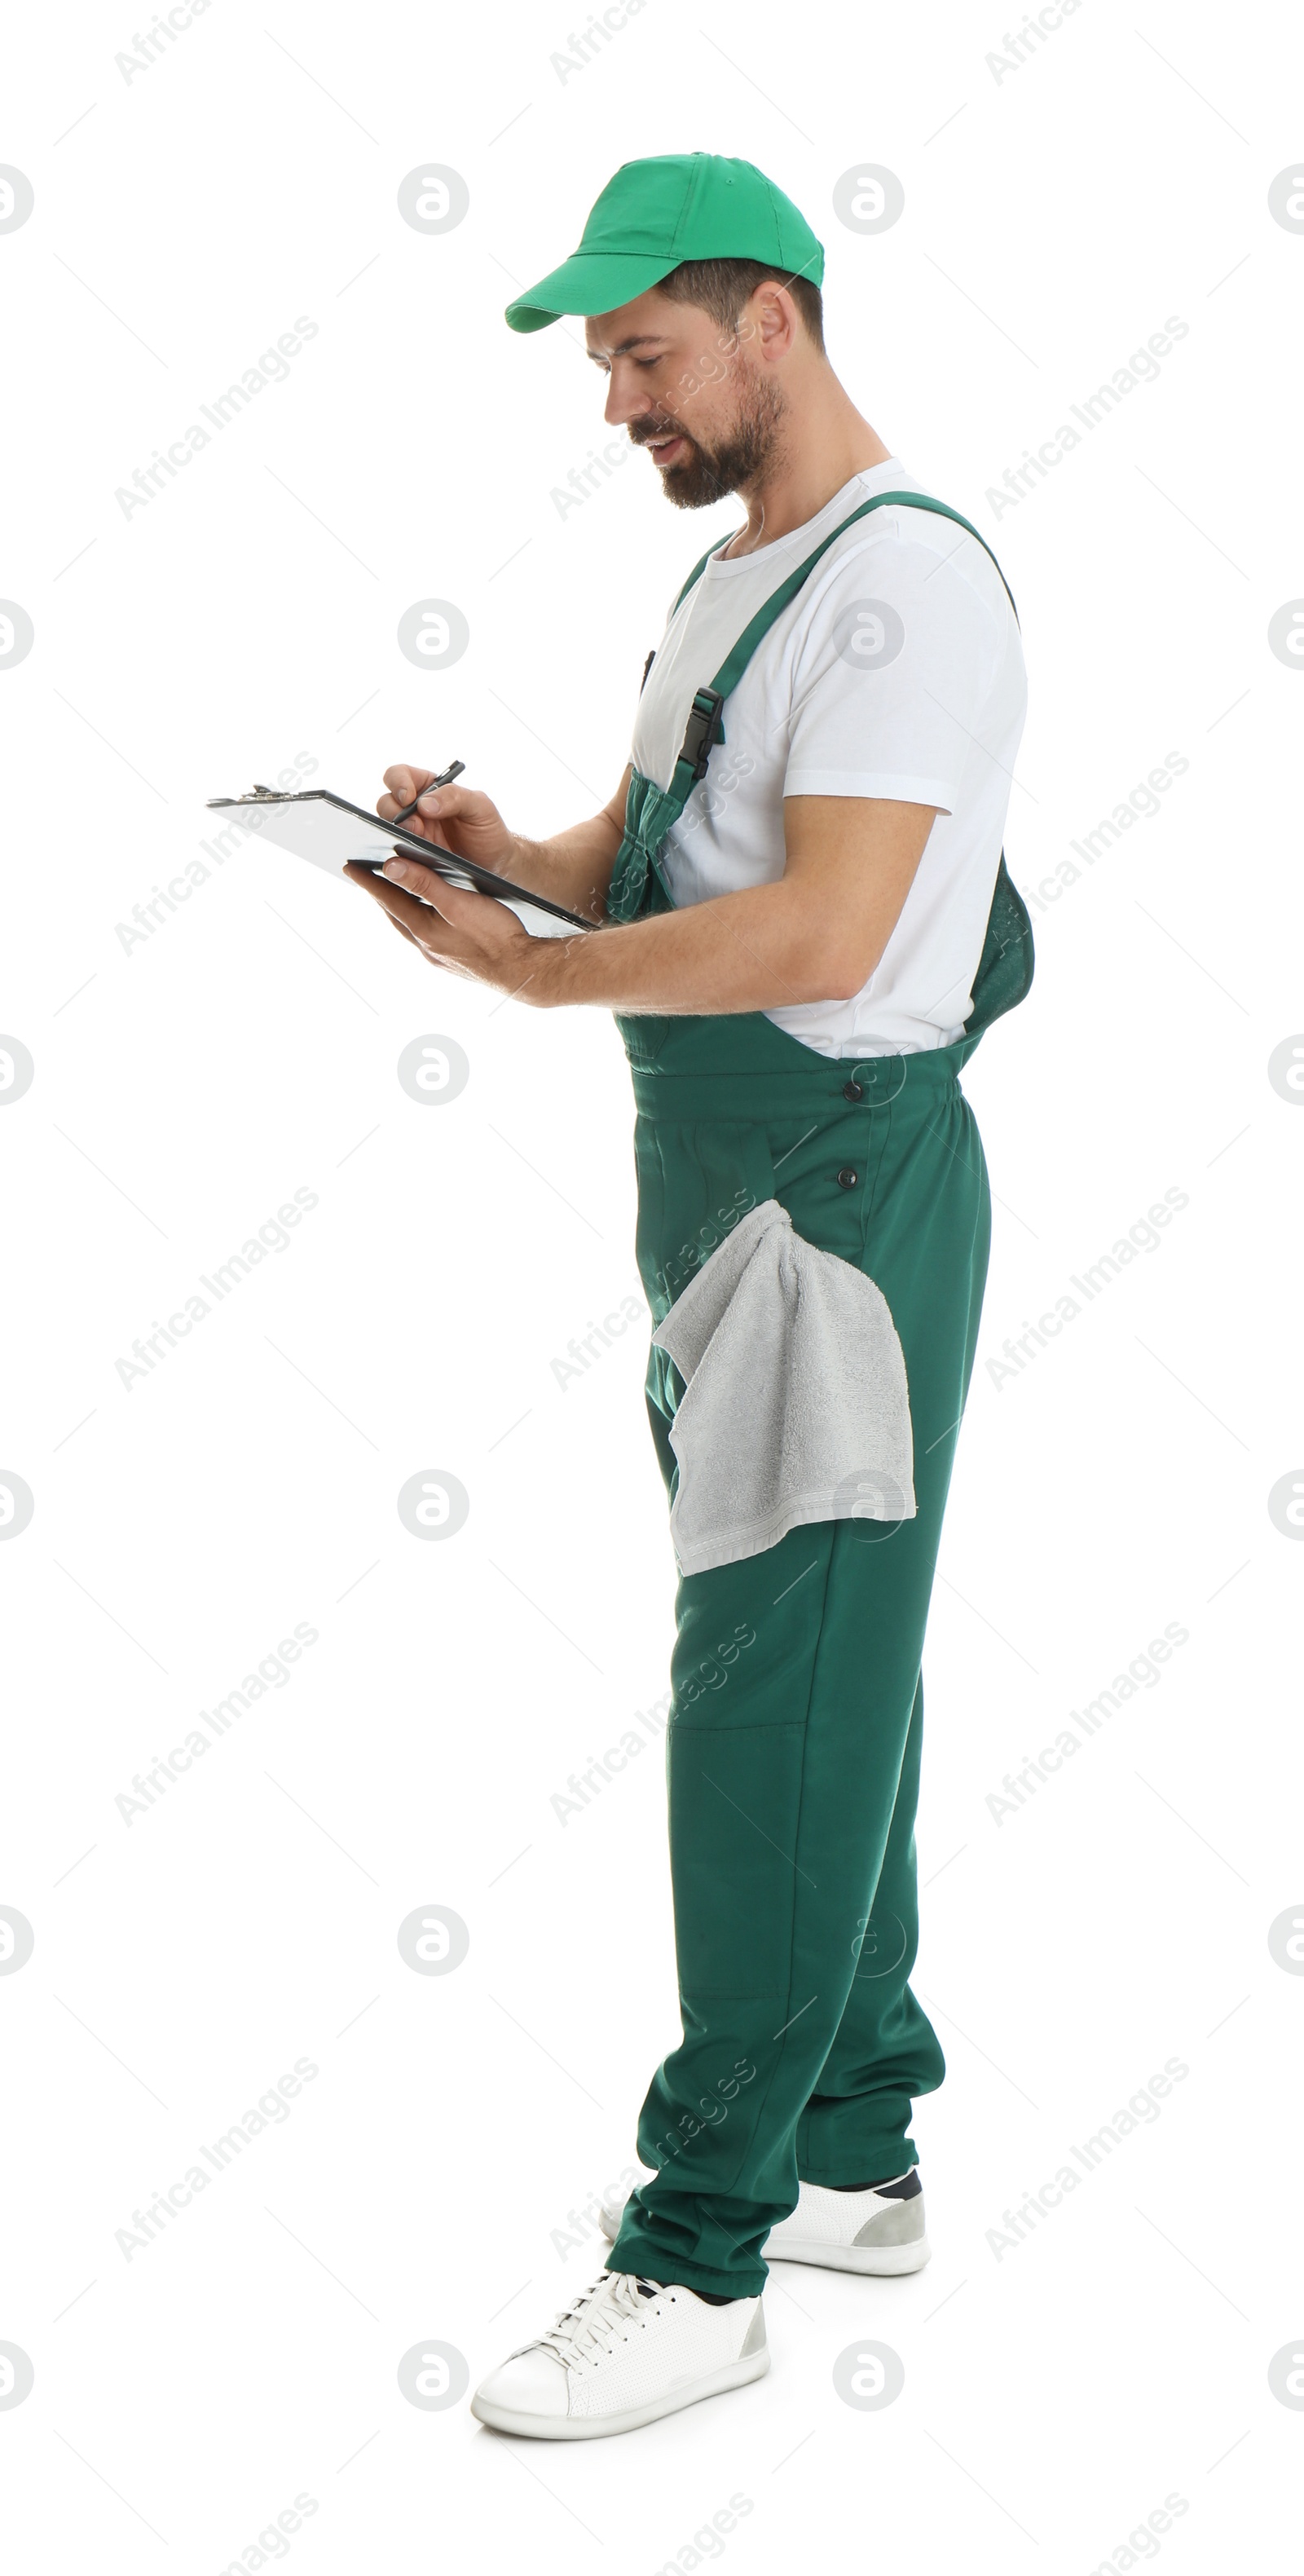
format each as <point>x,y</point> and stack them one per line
<point>742,455</point>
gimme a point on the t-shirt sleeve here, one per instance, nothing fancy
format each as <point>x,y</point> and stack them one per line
<point>890,675</point>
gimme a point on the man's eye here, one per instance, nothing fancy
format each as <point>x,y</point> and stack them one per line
<point>647,362</point>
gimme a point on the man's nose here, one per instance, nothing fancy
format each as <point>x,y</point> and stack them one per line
<point>625,401</point>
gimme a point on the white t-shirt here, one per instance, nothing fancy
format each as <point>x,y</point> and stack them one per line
<point>895,672</point>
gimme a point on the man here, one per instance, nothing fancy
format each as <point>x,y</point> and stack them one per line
<point>805,924</point>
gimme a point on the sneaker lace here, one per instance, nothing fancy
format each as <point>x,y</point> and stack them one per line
<point>588,2329</point>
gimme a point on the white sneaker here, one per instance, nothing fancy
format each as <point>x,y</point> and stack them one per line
<point>880,2231</point>
<point>628,2351</point>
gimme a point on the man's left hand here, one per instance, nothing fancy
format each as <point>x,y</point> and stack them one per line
<point>470,934</point>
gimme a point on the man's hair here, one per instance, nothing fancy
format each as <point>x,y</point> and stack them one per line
<point>722,286</point>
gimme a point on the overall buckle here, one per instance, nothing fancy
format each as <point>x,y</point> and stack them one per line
<point>702,731</point>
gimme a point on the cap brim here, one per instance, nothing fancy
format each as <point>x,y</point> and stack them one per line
<point>591,282</point>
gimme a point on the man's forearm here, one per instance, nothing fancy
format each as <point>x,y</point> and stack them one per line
<point>573,868</point>
<point>752,951</point>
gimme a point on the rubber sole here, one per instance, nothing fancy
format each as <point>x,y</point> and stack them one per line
<point>884,2262</point>
<point>588,2428</point>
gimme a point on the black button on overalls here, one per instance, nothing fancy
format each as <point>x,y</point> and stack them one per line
<point>853,1091</point>
<point>847,1179</point>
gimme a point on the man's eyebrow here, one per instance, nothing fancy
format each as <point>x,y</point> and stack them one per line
<point>641,340</point>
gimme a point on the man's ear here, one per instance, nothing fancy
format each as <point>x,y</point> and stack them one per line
<point>775,321</point>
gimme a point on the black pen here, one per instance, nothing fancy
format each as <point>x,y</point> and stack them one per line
<point>445,779</point>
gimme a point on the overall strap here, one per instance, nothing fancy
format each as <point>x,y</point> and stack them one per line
<point>911,500</point>
<point>699,568</point>
<point>651,812</point>
<point>704,727</point>
<point>731,671</point>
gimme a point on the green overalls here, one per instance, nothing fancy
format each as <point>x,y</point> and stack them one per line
<point>793,1749</point>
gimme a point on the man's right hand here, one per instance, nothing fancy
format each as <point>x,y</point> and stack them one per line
<point>572,869</point>
<point>455,818</point>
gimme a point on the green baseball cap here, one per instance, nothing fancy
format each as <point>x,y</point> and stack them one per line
<point>652,215</point>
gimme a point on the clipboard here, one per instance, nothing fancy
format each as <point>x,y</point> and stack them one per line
<point>329,832</point>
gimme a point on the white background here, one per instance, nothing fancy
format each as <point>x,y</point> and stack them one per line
<point>421,2185</point>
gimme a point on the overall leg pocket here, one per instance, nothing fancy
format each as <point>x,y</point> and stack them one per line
<point>735,1797</point>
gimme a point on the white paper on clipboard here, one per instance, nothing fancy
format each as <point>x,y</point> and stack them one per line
<point>328,831</point>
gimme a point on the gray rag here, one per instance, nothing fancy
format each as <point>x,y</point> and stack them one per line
<point>796,1406</point>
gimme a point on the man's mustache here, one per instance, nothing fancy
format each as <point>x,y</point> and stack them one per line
<point>642,433</point>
